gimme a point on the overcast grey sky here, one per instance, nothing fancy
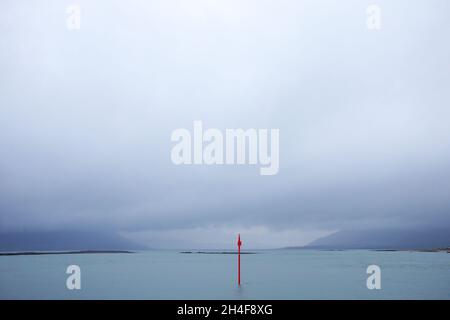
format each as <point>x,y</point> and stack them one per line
<point>86,117</point>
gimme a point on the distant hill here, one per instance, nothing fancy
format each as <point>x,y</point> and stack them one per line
<point>384,239</point>
<point>64,240</point>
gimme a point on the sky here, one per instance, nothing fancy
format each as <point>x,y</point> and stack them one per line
<point>86,118</point>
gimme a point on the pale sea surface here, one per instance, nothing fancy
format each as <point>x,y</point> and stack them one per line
<point>271,274</point>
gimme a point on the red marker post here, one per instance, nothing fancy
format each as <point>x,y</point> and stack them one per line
<point>239,243</point>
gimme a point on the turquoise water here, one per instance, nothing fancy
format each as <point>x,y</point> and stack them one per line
<point>274,274</point>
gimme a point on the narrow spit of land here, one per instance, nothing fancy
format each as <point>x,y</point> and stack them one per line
<point>34,253</point>
<point>217,252</point>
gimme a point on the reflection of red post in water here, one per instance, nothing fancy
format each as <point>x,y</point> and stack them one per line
<point>239,243</point>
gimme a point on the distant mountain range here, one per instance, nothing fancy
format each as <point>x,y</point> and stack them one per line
<point>64,240</point>
<point>384,239</point>
<point>400,239</point>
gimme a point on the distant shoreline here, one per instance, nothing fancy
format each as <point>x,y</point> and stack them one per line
<point>370,249</point>
<point>34,253</point>
<point>417,250</point>
<point>215,252</point>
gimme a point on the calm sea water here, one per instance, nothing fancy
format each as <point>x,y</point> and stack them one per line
<point>277,274</point>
